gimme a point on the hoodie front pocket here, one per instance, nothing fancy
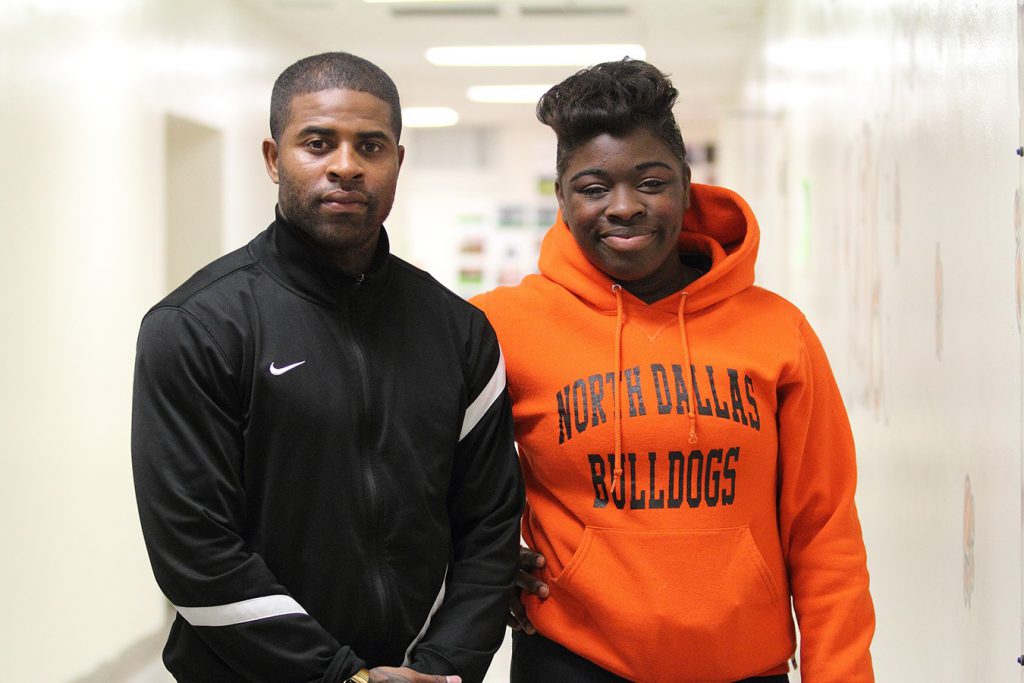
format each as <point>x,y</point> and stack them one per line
<point>672,605</point>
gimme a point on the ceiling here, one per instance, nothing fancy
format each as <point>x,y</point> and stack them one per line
<point>702,44</point>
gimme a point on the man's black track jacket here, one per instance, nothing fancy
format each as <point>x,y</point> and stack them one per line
<point>324,469</point>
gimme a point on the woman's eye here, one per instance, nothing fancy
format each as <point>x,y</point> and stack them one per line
<point>593,190</point>
<point>652,184</point>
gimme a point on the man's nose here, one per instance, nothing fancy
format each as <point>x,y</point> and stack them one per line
<point>345,163</point>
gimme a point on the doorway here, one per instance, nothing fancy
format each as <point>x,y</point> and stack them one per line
<point>192,193</point>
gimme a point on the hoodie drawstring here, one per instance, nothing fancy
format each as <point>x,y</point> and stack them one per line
<point>686,360</point>
<point>616,410</point>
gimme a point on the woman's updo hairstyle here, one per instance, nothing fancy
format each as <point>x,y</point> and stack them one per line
<point>615,98</point>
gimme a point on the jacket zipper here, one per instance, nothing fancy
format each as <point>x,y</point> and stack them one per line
<point>373,497</point>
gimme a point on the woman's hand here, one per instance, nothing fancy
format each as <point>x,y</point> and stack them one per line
<point>525,581</point>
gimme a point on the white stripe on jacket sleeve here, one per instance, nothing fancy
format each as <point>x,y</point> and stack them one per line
<point>241,612</point>
<point>486,399</point>
<point>430,615</point>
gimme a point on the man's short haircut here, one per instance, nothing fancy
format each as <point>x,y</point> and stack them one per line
<point>616,98</point>
<point>330,71</point>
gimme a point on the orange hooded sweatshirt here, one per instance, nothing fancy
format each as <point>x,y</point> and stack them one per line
<point>689,467</point>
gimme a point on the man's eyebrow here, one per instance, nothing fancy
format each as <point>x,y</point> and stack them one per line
<point>317,130</point>
<point>323,132</point>
<point>373,135</point>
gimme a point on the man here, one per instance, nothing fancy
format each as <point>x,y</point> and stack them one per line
<point>321,436</point>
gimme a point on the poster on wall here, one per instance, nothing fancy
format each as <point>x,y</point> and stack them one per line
<point>499,242</point>
<point>499,246</point>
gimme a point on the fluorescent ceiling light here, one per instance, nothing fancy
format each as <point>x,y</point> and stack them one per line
<point>507,94</point>
<point>407,2</point>
<point>532,55</point>
<point>429,117</point>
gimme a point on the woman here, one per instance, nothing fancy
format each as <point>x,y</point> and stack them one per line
<point>688,459</point>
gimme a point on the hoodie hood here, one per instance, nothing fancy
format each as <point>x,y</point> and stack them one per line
<point>718,224</point>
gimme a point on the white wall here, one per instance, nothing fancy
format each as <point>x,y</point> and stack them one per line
<point>886,187</point>
<point>85,88</point>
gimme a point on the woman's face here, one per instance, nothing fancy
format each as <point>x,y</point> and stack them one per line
<point>623,198</point>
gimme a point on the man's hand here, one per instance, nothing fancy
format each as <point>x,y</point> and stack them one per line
<point>390,674</point>
<point>525,581</point>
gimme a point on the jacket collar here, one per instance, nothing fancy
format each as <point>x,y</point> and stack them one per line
<point>292,259</point>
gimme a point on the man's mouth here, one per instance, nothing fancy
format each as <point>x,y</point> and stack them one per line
<point>344,200</point>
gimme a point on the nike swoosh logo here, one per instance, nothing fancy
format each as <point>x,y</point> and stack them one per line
<point>281,371</point>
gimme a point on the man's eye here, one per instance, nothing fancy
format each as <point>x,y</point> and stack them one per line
<point>317,145</point>
<point>372,147</point>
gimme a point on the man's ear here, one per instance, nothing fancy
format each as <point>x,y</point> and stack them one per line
<point>270,158</point>
<point>401,155</point>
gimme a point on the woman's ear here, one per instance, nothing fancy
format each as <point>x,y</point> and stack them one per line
<point>686,186</point>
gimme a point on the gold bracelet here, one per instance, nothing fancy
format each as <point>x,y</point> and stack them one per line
<point>361,676</point>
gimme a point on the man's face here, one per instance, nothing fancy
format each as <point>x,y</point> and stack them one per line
<point>336,165</point>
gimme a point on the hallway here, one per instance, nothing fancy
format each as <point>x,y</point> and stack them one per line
<point>878,143</point>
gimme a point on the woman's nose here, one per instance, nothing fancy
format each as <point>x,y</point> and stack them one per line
<point>624,205</point>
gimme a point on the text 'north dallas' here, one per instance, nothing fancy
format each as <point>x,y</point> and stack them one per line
<point>581,403</point>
